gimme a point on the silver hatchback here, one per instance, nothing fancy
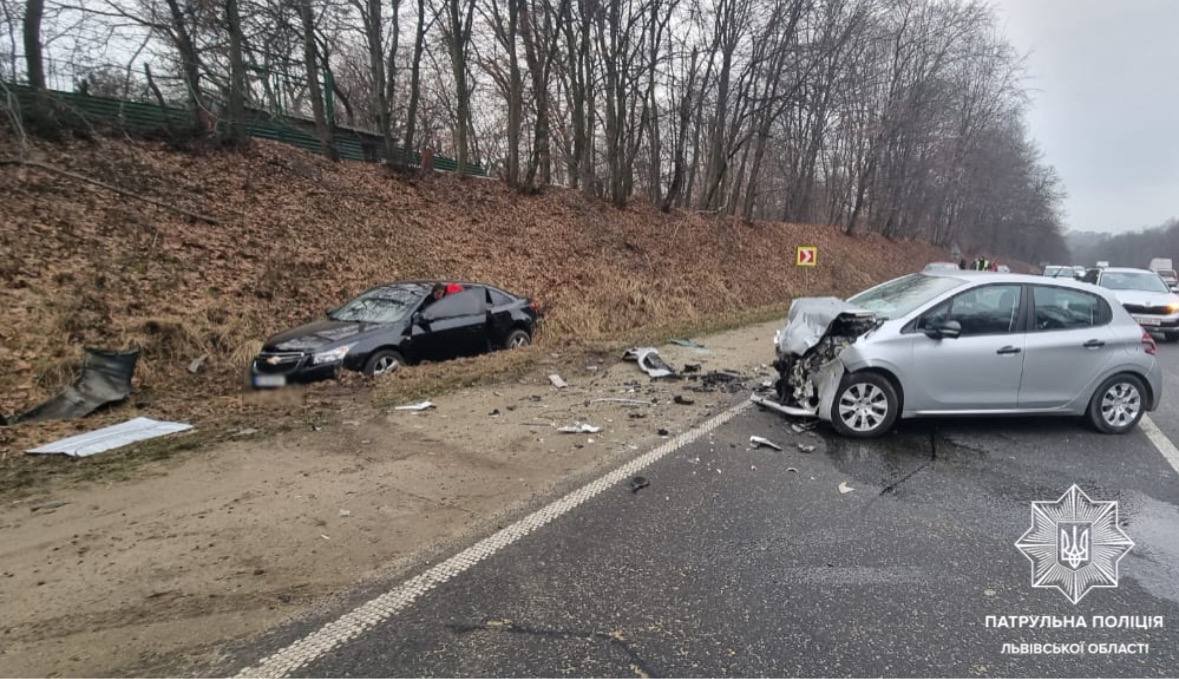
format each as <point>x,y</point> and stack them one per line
<point>966,343</point>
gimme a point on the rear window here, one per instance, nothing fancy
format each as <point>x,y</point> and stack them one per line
<point>499,298</point>
<point>1064,309</point>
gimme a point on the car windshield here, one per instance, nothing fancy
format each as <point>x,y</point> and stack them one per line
<point>380,305</point>
<point>902,295</point>
<point>1133,280</point>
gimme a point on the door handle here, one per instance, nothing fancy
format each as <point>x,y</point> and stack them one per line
<point>1093,344</point>
<point>1008,350</point>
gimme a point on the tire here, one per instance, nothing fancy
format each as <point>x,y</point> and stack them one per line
<point>383,362</point>
<point>865,406</point>
<point>1118,404</point>
<point>517,338</point>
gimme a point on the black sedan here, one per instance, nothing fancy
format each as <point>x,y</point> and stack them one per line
<point>396,324</point>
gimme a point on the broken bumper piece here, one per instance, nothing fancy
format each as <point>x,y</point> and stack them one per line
<point>792,411</point>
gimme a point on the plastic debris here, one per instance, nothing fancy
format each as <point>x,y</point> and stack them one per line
<point>691,367</point>
<point>106,378</point>
<point>580,428</point>
<point>622,401</point>
<point>424,405</point>
<point>663,432</point>
<point>109,438</point>
<point>638,483</point>
<point>761,442</point>
<point>557,382</point>
<point>792,469</point>
<point>844,489</point>
<point>806,448</point>
<point>345,512</point>
<point>196,364</point>
<point>692,344</point>
<point>803,426</point>
<point>649,362</point>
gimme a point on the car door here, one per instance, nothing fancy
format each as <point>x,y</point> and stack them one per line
<point>1069,344</point>
<point>978,370</point>
<point>453,326</point>
<point>499,316</point>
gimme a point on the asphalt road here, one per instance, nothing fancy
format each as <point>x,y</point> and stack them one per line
<point>751,562</point>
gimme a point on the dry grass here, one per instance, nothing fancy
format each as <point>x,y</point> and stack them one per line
<point>299,234</point>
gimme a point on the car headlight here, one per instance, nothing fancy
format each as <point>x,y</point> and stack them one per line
<point>1172,307</point>
<point>333,356</point>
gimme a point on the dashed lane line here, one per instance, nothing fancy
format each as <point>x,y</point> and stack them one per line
<point>1160,441</point>
<point>370,614</point>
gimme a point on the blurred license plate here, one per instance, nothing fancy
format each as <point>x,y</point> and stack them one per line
<point>1143,320</point>
<point>270,380</point>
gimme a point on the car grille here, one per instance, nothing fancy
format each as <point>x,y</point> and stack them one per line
<point>1153,310</point>
<point>275,362</point>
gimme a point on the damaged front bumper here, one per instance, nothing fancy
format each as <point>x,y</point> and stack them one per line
<point>810,354</point>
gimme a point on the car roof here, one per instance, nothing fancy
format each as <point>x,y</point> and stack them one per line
<point>1126,269</point>
<point>430,283</point>
<point>1022,278</point>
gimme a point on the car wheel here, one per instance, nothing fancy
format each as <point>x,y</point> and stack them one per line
<point>865,405</point>
<point>517,338</point>
<point>383,362</point>
<point>1118,404</point>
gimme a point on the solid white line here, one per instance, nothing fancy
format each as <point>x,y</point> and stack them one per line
<point>366,616</point>
<point>1160,441</point>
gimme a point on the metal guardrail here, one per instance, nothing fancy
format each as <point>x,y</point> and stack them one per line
<point>144,118</point>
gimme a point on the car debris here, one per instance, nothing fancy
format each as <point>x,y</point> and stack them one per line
<point>792,469</point>
<point>684,342</point>
<point>494,413</point>
<point>579,428</point>
<point>683,400</point>
<point>195,365</point>
<point>638,483</point>
<point>649,362</point>
<point>109,438</point>
<point>106,378</point>
<point>663,432</point>
<point>416,407</point>
<point>762,442</point>
<point>802,427</point>
<point>620,401</point>
<point>806,448</point>
<point>557,382</point>
<point>844,489</point>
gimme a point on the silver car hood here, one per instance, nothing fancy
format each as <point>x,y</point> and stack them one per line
<point>1145,297</point>
<point>809,319</point>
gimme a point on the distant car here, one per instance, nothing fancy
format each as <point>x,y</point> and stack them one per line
<point>1169,277</point>
<point>941,266</point>
<point>395,324</point>
<point>1003,268</point>
<point>965,343</point>
<point>1056,271</point>
<point>1146,296</point>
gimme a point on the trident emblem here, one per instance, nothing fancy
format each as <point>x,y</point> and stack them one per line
<point>1073,544</point>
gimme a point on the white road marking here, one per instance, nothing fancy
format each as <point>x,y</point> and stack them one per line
<point>368,615</point>
<point>1160,441</point>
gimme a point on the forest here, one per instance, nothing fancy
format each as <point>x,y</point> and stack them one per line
<point>898,117</point>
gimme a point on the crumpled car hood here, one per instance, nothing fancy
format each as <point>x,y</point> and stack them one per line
<point>809,319</point>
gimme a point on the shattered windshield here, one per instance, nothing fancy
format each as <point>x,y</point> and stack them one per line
<point>902,295</point>
<point>381,305</point>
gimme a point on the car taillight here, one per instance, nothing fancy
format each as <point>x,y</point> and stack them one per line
<point>1148,344</point>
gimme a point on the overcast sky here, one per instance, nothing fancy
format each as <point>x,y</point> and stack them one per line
<point>1105,75</point>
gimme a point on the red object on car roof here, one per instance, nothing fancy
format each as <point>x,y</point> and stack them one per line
<point>452,288</point>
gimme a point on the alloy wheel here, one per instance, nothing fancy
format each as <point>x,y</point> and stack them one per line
<point>385,364</point>
<point>1120,404</point>
<point>863,407</point>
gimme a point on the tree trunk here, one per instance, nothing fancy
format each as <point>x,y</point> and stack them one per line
<point>237,75</point>
<point>190,65</point>
<point>34,9</point>
<point>311,65</point>
<point>415,74</point>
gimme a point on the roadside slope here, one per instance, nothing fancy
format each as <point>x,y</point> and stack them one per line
<point>297,234</point>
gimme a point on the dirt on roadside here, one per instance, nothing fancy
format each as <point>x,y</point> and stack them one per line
<point>152,574</point>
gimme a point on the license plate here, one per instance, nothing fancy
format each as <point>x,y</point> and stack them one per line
<point>1143,320</point>
<point>270,380</point>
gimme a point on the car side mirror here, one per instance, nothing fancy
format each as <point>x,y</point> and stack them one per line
<point>944,330</point>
